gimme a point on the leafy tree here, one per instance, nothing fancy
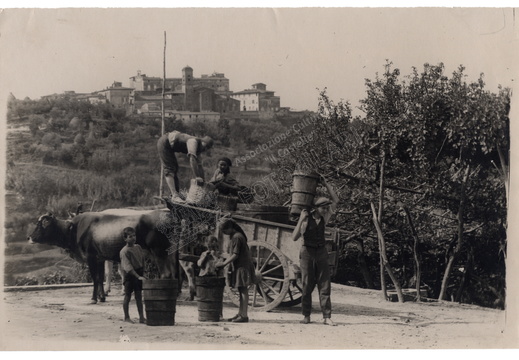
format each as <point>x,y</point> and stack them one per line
<point>56,112</point>
<point>79,139</point>
<point>51,140</point>
<point>76,124</point>
<point>198,128</point>
<point>223,131</point>
<point>172,124</point>
<point>448,133</point>
<point>118,114</point>
<point>432,153</point>
<point>237,132</point>
<point>34,123</point>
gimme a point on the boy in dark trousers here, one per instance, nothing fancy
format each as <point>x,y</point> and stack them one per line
<point>132,266</point>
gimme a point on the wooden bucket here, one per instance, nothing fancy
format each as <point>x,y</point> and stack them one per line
<point>304,188</point>
<point>209,296</point>
<point>160,301</point>
<point>228,203</point>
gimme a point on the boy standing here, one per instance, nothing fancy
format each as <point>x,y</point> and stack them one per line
<point>132,266</point>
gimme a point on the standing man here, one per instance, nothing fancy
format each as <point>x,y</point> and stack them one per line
<point>314,256</point>
<point>177,142</point>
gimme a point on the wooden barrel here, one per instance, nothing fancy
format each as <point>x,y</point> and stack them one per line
<point>160,301</point>
<point>304,188</point>
<point>209,296</point>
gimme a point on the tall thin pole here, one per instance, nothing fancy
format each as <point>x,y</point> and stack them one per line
<point>163,112</point>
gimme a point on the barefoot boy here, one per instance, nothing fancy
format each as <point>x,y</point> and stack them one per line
<point>132,265</point>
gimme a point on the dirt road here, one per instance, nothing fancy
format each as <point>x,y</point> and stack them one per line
<point>64,319</point>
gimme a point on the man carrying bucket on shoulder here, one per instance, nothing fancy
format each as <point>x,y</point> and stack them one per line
<point>314,256</point>
<point>177,142</point>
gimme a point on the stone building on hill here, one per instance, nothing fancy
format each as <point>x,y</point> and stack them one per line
<point>208,94</point>
<point>257,99</point>
<point>216,81</point>
<point>117,95</point>
<point>205,98</point>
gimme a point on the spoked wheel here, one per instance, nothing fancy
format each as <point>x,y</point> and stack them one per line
<point>294,293</point>
<point>272,278</point>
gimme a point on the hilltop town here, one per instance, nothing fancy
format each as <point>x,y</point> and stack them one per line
<point>206,98</point>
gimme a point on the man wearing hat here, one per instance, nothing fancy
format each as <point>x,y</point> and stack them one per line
<point>314,256</point>
<point>177,142</point>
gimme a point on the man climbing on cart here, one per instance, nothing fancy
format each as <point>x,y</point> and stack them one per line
<point>314,256</point>
<point>176,142</point>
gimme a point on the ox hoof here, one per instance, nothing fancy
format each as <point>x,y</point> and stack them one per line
<point>93,302</point>
<point>102,299</point>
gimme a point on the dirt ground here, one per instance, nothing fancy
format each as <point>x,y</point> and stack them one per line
<point>63,319</point>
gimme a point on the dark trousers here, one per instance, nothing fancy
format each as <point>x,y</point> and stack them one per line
<point>315,271</point>
<point>133,284</point>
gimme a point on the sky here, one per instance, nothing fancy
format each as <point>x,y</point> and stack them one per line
<point>295,51</point>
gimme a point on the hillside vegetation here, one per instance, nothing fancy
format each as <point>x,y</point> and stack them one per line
<point>66,151</point>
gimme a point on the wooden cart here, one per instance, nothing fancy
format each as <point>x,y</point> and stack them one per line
<point>276,260</point>
<point>275,255</point>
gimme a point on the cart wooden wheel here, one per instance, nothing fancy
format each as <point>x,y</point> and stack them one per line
<point>294,293</point>
<point>272,278</point>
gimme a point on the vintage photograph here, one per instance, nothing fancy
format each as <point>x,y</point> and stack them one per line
<point>258,178</point>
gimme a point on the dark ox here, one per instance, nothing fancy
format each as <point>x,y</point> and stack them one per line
<point>94,237</point>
